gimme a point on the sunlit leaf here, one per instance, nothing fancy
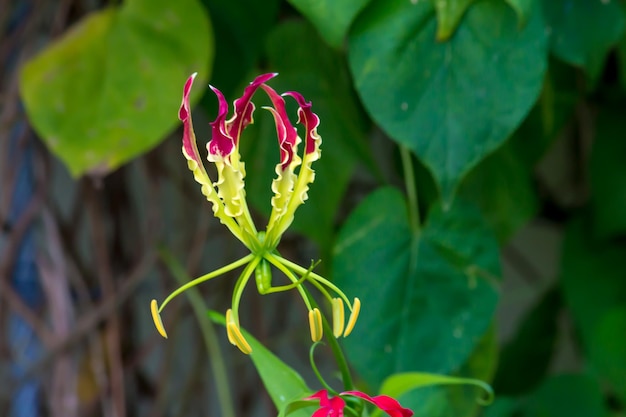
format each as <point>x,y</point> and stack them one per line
<point>110,88</point>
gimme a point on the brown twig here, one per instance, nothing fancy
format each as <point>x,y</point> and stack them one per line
<point>98,314</point>
<point>53,276</point>
<point>7,262</point>
<point>105,278</point>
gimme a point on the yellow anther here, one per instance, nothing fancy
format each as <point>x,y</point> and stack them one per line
<point>234,334</point>
<point>156,317</point>
<point>229,319</point>
<point>238,338</point>
<point>315,323</point>
<point>356,307</point>
<point>338,316</point>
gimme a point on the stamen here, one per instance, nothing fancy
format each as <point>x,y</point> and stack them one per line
<point>234,334</point>
<point>156,317</point>
<point>338,316</point>
<point>229,319</point>
<point>356,307</point>
<point>240,341</point>
<point>315,323</point>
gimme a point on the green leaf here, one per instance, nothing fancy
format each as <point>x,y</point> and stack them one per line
<point>523,8</point>
<point>592,276</point>
<point>283,384</point>
<point>566,396</point>
<point>432,290</point>
<point>621,56</point>
<point>449,15</point>
<point>460,400</point>
<point>595,289</point>
<point>525,359</point>
<point>502,407</point>
<point>502,186</point>
<point>110,88</point>
<point>294,406</point>
<point>547,119</point>
<point>306,65</point>
<point>608,348</point>
<point>331,18</point>
<point>452,103</point>
<point>399,384</point>
<point>240,30</point>
<point>582,32</point>
<point>608,176</point>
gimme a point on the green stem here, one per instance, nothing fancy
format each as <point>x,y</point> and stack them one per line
<point>240,285</point>
<point>291,277</point>
<point>300,270</point>
<point>317,372</point>
<point>206,277</point>
<point>284,265</point>
<point>411,188</point>
<point>208,333</point>
<point>336,349</point>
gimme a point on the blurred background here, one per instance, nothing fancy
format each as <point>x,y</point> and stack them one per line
<point>515,108</point>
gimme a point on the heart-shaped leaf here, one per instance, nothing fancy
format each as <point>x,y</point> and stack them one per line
<point>110,88</point>
<point>428,296</point>
<point>451,102</point>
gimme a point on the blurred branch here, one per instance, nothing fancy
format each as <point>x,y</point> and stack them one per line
<point>100,312</point>
<point>105,278</point>
<point>17,231</point>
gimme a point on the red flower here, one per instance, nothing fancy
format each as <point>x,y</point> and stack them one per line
<point>333,407</point>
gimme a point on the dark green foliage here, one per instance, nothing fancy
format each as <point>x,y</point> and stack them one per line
<point>513,112</point>
<point>524,360</point>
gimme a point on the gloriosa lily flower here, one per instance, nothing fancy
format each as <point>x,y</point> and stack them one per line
<point>228,198</point>
<point>333,407</point>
